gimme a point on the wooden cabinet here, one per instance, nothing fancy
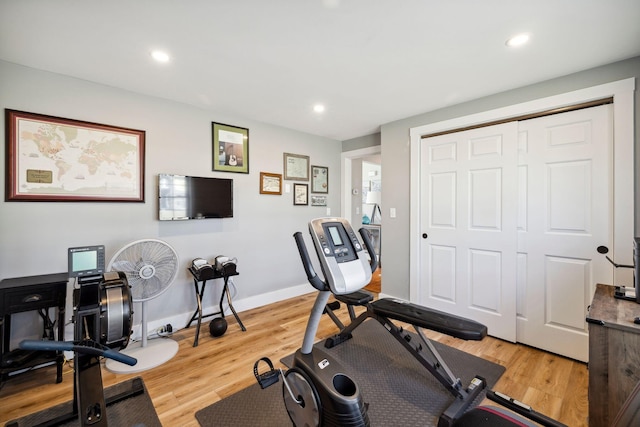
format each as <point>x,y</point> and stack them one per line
<point>614,354</point>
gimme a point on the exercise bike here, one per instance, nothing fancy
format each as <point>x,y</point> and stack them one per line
<point>335,261</point>
<point>316,390</point>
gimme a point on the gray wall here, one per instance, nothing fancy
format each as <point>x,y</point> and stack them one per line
<point>356,199</point>
<point>396,157</point>
<point>361,142</point>
<point>35,235</point>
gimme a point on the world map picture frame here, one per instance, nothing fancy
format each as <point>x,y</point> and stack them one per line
<point>55,159</point>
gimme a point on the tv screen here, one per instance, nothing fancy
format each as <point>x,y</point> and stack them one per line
<point>191,197</point>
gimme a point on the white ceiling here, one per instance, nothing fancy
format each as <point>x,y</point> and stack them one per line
<point>369,61</point>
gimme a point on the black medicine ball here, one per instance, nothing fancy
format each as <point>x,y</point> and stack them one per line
<point>218,327</point>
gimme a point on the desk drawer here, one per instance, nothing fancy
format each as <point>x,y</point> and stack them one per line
<point>35,298</point>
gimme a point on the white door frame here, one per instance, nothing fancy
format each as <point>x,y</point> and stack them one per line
<point>346,159</point>
<point>623,195</point>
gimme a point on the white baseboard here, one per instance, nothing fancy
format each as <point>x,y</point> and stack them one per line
<point>381,295</point>
<point>179,321</point>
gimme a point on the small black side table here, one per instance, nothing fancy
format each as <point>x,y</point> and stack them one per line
<point>32,293</point>
<point>201,276</point>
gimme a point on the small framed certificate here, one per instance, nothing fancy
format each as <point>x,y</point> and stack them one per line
<point>296,167</point>
<point>270,183</point>
<point>301,194</point>
<point>319,179</point>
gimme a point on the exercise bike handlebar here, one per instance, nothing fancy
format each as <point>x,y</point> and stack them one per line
<point>364,233</point>
<point>94,350</point>
<point>313,278</point>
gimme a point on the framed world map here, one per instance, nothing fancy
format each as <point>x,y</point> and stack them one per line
<point>56,159</point>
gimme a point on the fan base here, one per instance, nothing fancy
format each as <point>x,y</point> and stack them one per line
<point>155,353</point>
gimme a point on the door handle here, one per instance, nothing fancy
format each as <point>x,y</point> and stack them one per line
<point>425,235</point>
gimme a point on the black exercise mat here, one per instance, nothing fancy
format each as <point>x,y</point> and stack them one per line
<point>135,411</point>
<point>399,390</point>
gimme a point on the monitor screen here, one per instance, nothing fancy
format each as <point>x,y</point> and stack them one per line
<point>191,197</point>
<point>340,244</point>
<point>86,261</point>
<point>335,236</point>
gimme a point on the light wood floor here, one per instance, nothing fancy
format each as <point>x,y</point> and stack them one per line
<point>218,367</point>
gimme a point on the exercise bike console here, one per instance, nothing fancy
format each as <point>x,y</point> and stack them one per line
<point>343,261</point>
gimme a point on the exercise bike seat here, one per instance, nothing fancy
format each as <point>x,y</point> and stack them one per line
<point>355,298</point>
<point>428,318</point>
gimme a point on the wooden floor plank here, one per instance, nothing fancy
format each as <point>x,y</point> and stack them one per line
<point>199,376</point>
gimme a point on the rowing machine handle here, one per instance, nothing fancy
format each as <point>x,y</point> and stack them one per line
<point>364,233</point>
<point>49,345</point>
<point>306,262</point>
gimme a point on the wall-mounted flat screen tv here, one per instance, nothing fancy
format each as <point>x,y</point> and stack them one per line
<point>192,197</point>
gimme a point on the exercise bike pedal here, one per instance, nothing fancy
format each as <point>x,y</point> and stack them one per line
<point>268,378</point>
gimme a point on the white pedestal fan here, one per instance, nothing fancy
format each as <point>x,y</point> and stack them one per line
<point>151,266</point>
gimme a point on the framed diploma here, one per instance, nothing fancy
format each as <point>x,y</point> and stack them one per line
<point>296,167</point>
<point>319,179</point>
<point>270,183</point>
<point>301,194</point>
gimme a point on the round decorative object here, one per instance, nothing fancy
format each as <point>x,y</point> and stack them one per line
<point>218,327</point>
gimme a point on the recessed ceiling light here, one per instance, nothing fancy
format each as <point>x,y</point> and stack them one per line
<point>518,40</point>
<point>318,108</point>
<point>160,56</point>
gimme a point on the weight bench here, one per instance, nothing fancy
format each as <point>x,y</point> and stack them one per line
<point>387,309</point>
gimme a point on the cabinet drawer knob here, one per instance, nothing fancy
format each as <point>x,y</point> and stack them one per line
<point>32,298</point>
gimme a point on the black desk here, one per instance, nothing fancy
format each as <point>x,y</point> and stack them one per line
<point>201,276</point>
<point>31,293</point>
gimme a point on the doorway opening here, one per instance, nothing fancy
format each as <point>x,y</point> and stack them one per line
<point>361,173</point>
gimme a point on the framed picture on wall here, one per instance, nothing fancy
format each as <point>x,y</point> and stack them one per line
<point>270,183</point>
<point>63,160</point>
<point>296,167</point>
<point>318,200</point>
<point>300,194</point>
<point>230,148</point>
<point>319,179</point>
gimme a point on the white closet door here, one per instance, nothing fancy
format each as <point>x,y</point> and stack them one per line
<point>565,212</point>
<point>469,225</point>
